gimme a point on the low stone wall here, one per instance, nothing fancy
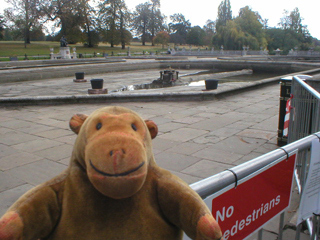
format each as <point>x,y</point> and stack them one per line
<point>234,65</point>
<point>193,78</point>
<point>50,70</point>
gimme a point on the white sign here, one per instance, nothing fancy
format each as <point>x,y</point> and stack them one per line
<point>310,200</point>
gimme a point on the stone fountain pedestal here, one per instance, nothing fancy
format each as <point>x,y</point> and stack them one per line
<point>79,77</point>
<point>98,91</point>
<point>97,87</point>
<point>65,53</point>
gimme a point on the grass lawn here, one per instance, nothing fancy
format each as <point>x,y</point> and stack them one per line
<point>41,49</point>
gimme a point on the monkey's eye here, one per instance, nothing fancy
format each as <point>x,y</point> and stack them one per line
<point>99,125</point>
<point>134,127</point>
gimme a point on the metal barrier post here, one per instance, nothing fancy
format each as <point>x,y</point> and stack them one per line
<point>260,234</point>
<point>298,232</point>
<point>281,224</point>
<point>314,230</point>
<point>318,228</point>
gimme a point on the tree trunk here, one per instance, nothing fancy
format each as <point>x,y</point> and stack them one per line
<point>27,37</point>
<point>89,36</point>
<point>27,30</point>
<point>122,35</point>
<point>144,35</point>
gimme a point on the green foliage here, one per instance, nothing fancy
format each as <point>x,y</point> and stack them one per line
<point>224,13</point>
<point>179,27</point>
<point>156,21</point>
<point>113,21</point>
<point>148,20</point>
<point>66,15</point>
<point>162,38</point>
<point>244,30</point>
<point>229,36</point>
<point>291,34</point>
<point>25,17</point>
<point>210,30</point>
<point>92,39</point>
<point>316,44</point>
<point>196,36</point>
<point>2,23</point>
<point>141,18</point>
<point>108,21</point>
<point>89,24</point>
<point>250,24</point>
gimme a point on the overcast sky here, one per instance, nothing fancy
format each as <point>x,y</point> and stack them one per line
<point>199,11</point>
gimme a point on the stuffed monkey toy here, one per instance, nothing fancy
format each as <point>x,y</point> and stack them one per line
<point>112,189</point>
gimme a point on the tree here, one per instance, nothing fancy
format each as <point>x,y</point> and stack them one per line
<point>89,23</point>
<point>126,38</point>
<point>223,27</point>
<point>141,18</point>
<point>179,27</point>
<point>251,24</point>
<point>68,15</point>
<point>224,13</point>
<point>292,21</point>
<point>2,25</point>
<point>108,11</point>
<point>246,29</point>
<point>124,18</point>
<point>230,36</point>
<point>148,20</point>
<point>277,39</point>
<point>295,34</point>
<point>210,30</point>
<point>156,19</point>
<point>113,22</point>
<point>196,36</point>
<point>25,16</point>
<point>316,44</point>
<point>162,38</point>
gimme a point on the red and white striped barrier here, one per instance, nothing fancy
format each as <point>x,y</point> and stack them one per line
<point>287,117</point>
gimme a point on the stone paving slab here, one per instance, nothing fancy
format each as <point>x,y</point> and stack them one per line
<point>43,132</point>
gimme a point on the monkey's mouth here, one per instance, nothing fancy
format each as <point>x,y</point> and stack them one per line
<point>116,174</point>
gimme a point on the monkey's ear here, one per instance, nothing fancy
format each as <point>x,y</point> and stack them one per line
<point>153,128</point>
<point>76,122</point>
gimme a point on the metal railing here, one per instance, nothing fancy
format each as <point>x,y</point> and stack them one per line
<point>304,120</point>
<point>194,52</point>
<point>305,112</point>
<point>304,123</point>
<point>220,181</point>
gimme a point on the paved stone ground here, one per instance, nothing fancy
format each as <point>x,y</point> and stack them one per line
<point>196,139</point>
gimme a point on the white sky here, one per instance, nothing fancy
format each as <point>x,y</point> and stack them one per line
<point>199,11</point>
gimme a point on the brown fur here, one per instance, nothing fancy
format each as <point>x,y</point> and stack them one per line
<point>113,189</point>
